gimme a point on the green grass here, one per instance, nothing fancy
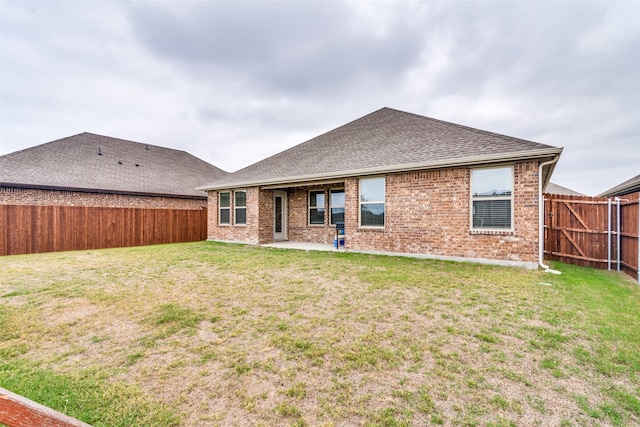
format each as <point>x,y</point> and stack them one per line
<point>86,395</point>
<point>214,334</point>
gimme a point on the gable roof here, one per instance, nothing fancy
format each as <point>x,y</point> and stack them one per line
<point>629,186</point>
<point>384,141</point>
<point>96,163</point>
<point>559,189</point>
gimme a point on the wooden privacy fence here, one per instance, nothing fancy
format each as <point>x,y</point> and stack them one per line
<point>32,229</point>
<point>595,232</point>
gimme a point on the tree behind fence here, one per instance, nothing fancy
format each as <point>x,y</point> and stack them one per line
<point>32,229</point>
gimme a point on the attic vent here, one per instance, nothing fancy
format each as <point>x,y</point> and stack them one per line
<point>119,162</point>
<point>137,164</point>
<point>99,151</point>
<point>146,146</point>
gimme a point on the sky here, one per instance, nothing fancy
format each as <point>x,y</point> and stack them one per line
<point>233,82</point>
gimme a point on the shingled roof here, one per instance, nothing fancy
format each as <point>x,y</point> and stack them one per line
<point>89,162</point>
<point>629,186</point>
<point>559,189</point>
<point>384,141</point>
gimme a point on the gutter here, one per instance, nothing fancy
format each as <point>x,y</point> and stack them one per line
<point>408,167</point>
<point>546,268</point>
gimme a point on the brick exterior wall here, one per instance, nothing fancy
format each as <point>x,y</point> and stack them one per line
<point>429,213</point>
<point>39,197</point>
<point>299,228</point>
<point>426,212</point>
<point>247,233</point>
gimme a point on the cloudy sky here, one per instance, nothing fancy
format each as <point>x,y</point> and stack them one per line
<point>233,82</point>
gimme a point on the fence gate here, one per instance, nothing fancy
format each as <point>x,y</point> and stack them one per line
<point>596,232</point>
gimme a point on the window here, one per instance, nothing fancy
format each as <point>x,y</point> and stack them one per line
<point>316,207</point>
<point>336,206</point>
<point>224,206</point>
<point>492,198</point>
<point>240,206</point>
<point>372,202</point>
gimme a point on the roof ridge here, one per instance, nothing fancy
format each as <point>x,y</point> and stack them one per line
<point>469,128</point>
<point>306,141</point>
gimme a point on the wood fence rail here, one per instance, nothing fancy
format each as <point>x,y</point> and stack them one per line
<point>32,229</point>
<point>18,411</point>
<point>595,232</point>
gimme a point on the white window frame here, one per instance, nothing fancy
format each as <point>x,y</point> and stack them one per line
<point>509,197</point>
<point>331,207</point>
<point>323,207</point>
<point>372,202</point>
<point>237,207</point>
<point>223,208</point>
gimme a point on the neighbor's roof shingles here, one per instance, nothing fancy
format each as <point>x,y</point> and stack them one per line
<point>383,141</point>
<point>75,163</point>
<point>559,189</point>
<point>629,186</point>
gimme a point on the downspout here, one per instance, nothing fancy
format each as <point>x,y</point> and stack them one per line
<point>609,234</point>
<point>618,229</point>
<point>546,268</point>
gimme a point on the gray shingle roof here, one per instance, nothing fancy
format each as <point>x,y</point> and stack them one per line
<point>90,162</point>
<point>629,186</point>
<point>559,189</point>
<point>384,141</point>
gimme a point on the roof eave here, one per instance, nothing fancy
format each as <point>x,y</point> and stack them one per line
<point>623,191</point>
<point>98,190</point>
<point>407,167</point>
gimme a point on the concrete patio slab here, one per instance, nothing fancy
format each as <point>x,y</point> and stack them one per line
<point>304,246</point>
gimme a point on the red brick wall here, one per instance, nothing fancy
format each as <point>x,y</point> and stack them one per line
<point>35,197</point>
<point>427,212</point>
<point>299,228</point>
<point>265,216</point>
<point>248,232</point>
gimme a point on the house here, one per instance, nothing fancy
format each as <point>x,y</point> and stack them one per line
<point>401,183</point>
<point>628,187</point>
<point>95,170</point>
<point>559,189</point>
<point>98,173</point>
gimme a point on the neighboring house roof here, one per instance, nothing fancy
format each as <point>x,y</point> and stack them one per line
<point>384,141</point>
<point>89,162</point>
<point>559,189</point>
<point>630,186</point>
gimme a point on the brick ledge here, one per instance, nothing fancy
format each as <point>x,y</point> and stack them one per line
<point>491,232</point>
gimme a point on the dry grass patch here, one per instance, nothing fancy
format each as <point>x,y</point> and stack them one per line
<point>239,335</point>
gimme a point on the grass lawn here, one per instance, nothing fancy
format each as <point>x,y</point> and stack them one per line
<point>203,334</point>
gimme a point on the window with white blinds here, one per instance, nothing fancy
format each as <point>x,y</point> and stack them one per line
<point>240,205</point>
<point>372,202</point>
<point>492,198</point>
<point>224,206</point>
